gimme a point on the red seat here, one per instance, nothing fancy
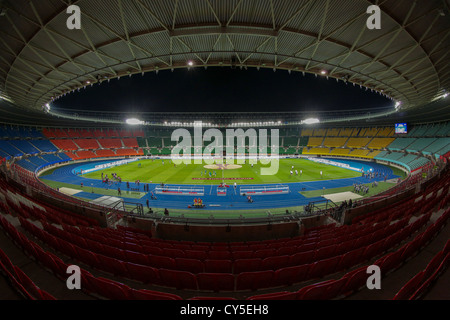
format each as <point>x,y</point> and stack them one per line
<point>45,295</point>
<point>317,291</point>
<point>254,280</point>
<point>107,288</point>
<point>306,247</point>
<point>335,288</point>
<point>325,243</point>
<point>211,298</point>
<point>6,261</point>
<point>290,275</point>
<point>345,247</point>
<point>27,283</point>
<point>323,267</point>
<point>411,248</point>
<point>218,266</point>
<point>282,251</point>
<point>237,255</point>
<point>390,262</point>
<point>433,265</point>
<point>178,279</point>
<point>142,273</point>
<point>219,255</point>
<point>373,250</point>
<point>355,280</point>
<point>196,254</point>
<point>350,259</point>
<point>283,295</point>
<point>114,266</point>
<point>300,258</point>
<point>113,252</point>
<point>88,258</point>
<point>246,265</point>
<point>61,266</point>
<point>275,263</point>
<point>264,253</point>
<point>136,257</point>
<point>94,246</point>
<point>162,262</point>
<point>215,281</point>
<point>145,294</point>
<point>324,252</point>
<point>192,265</point>
<point>410,287</point>
<point>173,253</point>
<point>46,260</point>
<point>152,250</point>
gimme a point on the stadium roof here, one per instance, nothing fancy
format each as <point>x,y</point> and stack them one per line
<point>41,59</point>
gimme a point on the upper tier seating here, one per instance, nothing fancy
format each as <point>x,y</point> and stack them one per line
<point>401,143</point>
<point>358,142</point>
<point>315,142</point>
<point>9,150</point>
<point>130,142</point>
<point>65,144</point>
<point>380,143</point>
<point>19,132</point>
<point>44,145</point>
<point>105,153</point>
<point>110,143</point>
<point>25,146</point>
<point>88,144</point>
<point>420,144</point>
<point>334,142</point>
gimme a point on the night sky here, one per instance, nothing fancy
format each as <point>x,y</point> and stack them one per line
<point>222,89</point>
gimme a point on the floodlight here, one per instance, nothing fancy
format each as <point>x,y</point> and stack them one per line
<point>311,121</point>
<point>133,121</point>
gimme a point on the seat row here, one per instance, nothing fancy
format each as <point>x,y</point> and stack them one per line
<point>289,252</point>
<point>98,286</point>
<point>419,284</point>
<point>20,281</point>
<point>163,270</point>
<point>310,241</point>
<point>328,289</point>
<point>356,279</point>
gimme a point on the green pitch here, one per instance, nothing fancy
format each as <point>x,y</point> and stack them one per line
<point>157,171</point>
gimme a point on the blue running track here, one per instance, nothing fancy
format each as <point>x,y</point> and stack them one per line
<point>232,200</point>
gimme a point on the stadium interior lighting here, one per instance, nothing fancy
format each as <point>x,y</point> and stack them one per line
<point>47,105</point>
<point>397,105</point>
<point>133,121</point>
<point>4,98</point>
<point>190,63</point>
<point>311,121</point>
<point>323,72</point>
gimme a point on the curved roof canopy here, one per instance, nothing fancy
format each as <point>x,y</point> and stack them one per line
<point>406,60</point>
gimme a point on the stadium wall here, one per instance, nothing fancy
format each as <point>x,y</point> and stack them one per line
<point>225,233</point>
<point>352,213</point>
